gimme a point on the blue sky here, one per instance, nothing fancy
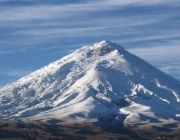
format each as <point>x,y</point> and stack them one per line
<point>34,33</point>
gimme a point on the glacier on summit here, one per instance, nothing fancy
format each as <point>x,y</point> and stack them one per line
<point>100,82</point>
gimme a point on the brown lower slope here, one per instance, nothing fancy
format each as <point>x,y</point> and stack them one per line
<point>54,130</point>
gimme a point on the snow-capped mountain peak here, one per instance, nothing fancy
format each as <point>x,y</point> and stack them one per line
<point>103,81</point>
<point>101,47</point>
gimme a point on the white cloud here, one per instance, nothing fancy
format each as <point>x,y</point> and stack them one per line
<point>158,53</point>
<point>25,27</point>
<point>141,2</point>
<point>15,72</point>
<point>110,26</point>
<point>41,12</point>
<point>171,68</point>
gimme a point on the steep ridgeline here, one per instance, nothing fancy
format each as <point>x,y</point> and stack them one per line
<point>100,82</point>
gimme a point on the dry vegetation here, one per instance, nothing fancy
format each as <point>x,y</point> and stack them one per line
<point>18,130</point>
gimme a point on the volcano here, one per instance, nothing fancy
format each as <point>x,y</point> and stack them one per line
<point>99,83</point>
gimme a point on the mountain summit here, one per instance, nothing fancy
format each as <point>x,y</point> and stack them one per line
<point>101,82</point>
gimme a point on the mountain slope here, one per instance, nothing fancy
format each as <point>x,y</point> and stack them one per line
<point>103,82</point>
